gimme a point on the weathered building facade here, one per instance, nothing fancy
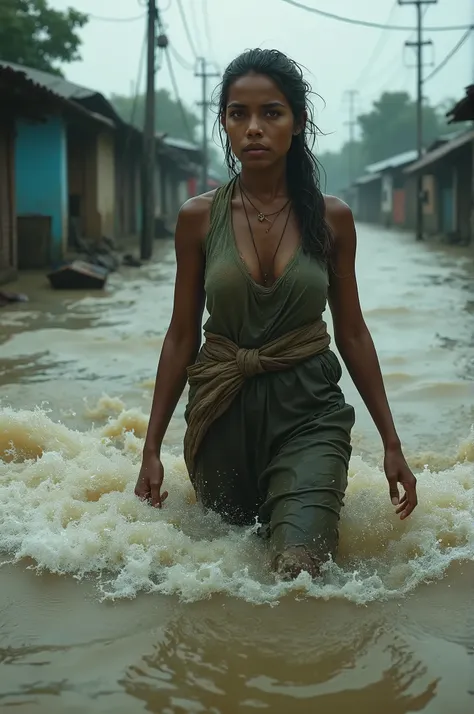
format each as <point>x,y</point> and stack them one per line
<point>380,194</point>
<point>8,239</point>
<point>447,187</point>
<point>70,169</point>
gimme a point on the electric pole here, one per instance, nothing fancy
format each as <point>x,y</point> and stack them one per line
<point>352,123</point>
<point>149,131</point>
<point>204,74</point>
<point>472,44</point>
<point>419,44</point>
<point>148,171</point>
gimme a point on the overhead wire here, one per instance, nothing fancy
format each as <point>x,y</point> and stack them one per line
<point>388,80</point>
<point>189,66</point>
<point>449,56</point>
<point>367,23</point>
<point>376,51</point>
<point>208,33</point>
<point>195,27</point>
<point>186,29</point>
<point>141,67</point>
<point>175,86</point>
<point>131,118</point>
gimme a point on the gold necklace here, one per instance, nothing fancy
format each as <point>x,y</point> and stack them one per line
<point>262,272</point>
<point>261,216</point>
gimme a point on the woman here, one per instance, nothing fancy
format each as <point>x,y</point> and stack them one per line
<point>268,428</point>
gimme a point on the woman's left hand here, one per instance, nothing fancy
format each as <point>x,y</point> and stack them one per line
<point>397,472</point>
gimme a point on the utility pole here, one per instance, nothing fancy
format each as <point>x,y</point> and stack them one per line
<point>149,153</point>
<point>419,44</point>
<point>204,74</point>
<point>472,44</point>
<point>352,123</point>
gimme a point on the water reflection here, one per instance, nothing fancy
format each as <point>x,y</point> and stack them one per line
<point>228,659</point>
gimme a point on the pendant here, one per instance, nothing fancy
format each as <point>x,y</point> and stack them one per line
<point>261,217</point>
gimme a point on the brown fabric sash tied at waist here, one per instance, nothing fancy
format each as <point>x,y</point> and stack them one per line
<point>222,368</point>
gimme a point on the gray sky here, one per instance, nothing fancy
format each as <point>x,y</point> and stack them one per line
<point>338,56</point>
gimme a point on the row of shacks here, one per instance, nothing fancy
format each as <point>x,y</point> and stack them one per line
<point>70,171</point>
<point>386,194</point>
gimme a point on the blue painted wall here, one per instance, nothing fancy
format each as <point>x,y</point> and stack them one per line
<point>41,176</point>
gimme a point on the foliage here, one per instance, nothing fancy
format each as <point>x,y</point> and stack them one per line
<point>339,168</point>
<point>34,35</point>
<point>169,117</point>
<point>389,128</point>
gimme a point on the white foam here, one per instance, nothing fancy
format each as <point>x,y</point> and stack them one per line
<point>67,503</point>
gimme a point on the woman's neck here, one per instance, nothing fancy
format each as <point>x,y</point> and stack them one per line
<point>265,185</point>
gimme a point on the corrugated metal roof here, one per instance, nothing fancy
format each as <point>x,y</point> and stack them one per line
<point>394,162</point>
<point>20,80</point>
<point>440,152</point>
<point>57,85</point>
<point>89,102</point>
<point>180,144</point>
<point>443,139</point>
<point>92,101</point>
<point>367,179</point>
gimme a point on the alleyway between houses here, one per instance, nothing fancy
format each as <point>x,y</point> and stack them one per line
<point>76,379</point>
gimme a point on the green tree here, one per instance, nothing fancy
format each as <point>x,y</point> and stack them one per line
<point>390,128</point>
<point>340,168</point>
<point>34,35</point>
<point>169,117</point>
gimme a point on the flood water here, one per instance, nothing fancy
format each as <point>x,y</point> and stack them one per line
<point>109,606</point>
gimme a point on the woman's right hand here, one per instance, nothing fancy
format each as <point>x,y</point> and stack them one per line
<point>150,481</point>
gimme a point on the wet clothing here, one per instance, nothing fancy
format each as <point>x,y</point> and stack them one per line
<point>280,446</point>
<point>223,367</point>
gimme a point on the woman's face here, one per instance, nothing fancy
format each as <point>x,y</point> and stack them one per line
<point>258,121</point>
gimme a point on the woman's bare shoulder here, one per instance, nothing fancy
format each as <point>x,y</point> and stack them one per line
<point>339,216</point>
<point>198,206</point>
<point>336,208</point>
<point>194,216</point>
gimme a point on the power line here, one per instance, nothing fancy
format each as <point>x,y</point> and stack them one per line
<point>141,64</point>
<point>388,72</point>
<point>195,27</point>
<point>149,130</point>
<point>366,23</point>
<point>186,29</point>
<point>377,47</point>
<point>177,97</point>
<point>449,56</point>
<point>207,26</point>
<point>180,59</point>
<point>100,18</point>
<point>207,30</point>
<point>419,44</point>
<point>204,74</point>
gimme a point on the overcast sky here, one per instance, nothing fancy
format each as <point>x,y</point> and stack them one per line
<point>338,56</point>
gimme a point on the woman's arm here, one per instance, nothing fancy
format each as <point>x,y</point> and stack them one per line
<point>356,347</point>
<point>183,337</point>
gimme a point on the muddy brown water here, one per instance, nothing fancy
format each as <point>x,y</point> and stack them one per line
<point>108,606</point>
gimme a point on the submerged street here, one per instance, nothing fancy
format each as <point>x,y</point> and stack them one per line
<point>171,611</point>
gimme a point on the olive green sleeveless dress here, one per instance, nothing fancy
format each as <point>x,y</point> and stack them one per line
<point>280,452</point>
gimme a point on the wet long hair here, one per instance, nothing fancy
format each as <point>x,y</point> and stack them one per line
<point>302,168</point>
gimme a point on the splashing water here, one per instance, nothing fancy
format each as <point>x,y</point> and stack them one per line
<point>67,504</point>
